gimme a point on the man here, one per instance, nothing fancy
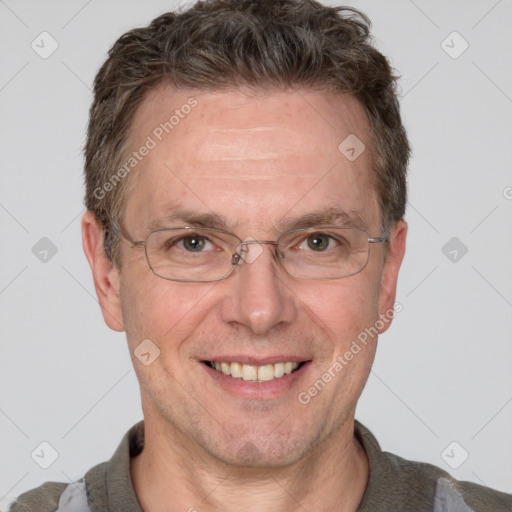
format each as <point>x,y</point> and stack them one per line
<point>245,170</point>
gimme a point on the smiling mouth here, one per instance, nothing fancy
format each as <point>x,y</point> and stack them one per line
<point>254,373</point>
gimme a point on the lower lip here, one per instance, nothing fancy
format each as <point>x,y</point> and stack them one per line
<point>261,390</point>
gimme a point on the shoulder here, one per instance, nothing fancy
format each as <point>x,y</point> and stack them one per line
<point>399,484</point>
<point>422,480</point>
<point>53,497</point>
<point>44,498</point>
<point>104,483</point>
<point>479,497</point>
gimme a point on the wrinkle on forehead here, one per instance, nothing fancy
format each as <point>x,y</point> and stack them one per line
<point>254,159</point>
<point>249,144</point>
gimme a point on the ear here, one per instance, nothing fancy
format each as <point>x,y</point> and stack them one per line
<point>392,262</point>
<point>104,272</point>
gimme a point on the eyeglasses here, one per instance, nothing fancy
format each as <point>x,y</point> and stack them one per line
<point>202,255</point>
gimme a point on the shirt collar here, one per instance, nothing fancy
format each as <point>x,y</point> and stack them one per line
<point>111,483</point>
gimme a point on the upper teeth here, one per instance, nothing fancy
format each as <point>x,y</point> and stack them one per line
<point>255,373</point>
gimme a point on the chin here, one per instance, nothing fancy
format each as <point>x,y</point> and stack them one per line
<point>256,455</point>
<point>261,451</point>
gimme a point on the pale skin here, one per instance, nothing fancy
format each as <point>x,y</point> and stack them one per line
<point>260,162</point>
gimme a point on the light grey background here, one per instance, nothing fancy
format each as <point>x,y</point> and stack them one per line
<point>443,371</point>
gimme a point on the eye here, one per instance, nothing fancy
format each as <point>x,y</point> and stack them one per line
<point>191,243</point>
<point>187,243</point>
<point>319,242</point>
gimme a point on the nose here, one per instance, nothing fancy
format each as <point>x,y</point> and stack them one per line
<point>259,298</point>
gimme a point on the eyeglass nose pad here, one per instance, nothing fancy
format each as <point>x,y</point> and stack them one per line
<point>236,259</point>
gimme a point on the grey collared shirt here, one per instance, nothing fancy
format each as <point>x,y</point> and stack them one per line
<point>394,485</point>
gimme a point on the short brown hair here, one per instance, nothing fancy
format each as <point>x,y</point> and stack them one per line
<point>218,44</point>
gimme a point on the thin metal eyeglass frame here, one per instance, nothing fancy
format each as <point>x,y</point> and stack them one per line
<point>236,258</point>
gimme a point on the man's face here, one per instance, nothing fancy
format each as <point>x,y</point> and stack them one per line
<point>260,163</point>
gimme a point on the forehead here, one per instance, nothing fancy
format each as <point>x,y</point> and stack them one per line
<point>250,157</point>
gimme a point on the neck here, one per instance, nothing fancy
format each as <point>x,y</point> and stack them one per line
<point>172,469</point>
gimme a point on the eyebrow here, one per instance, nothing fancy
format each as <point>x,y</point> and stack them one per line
<point>189,218</point>
<point>330,216</point>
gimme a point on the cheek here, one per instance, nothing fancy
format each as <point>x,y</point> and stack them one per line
<point>161,311</point>
<point>344,308</point>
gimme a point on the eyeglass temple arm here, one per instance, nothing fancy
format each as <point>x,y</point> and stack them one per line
<point>383,238</point>
<point>128,238</point>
